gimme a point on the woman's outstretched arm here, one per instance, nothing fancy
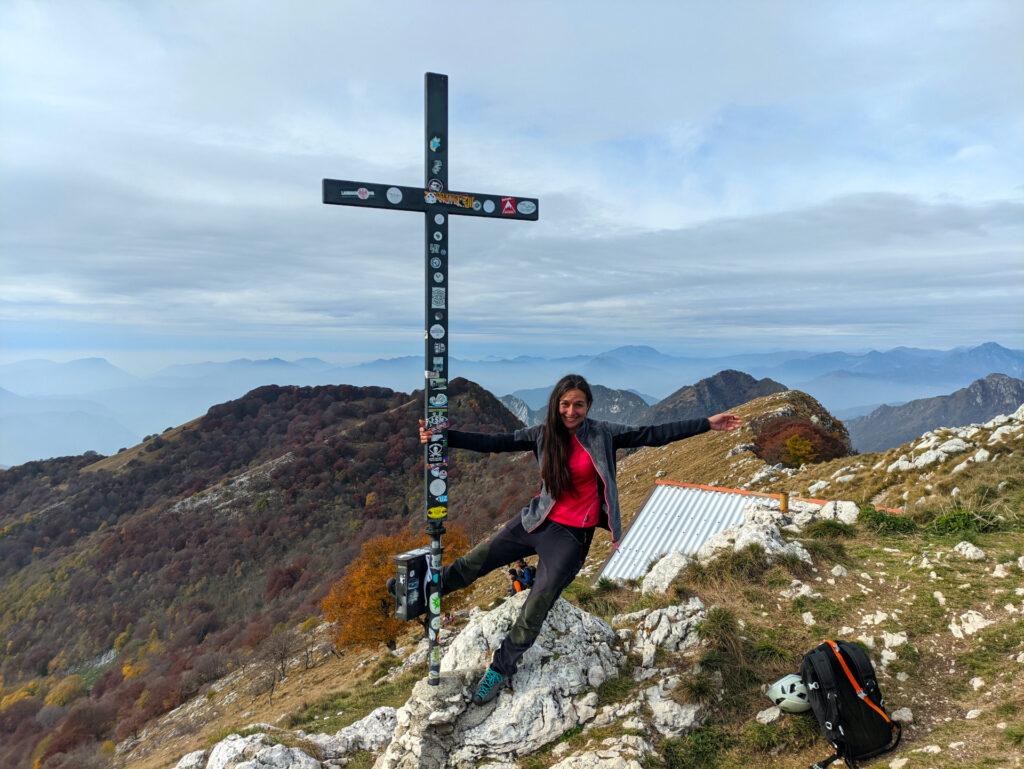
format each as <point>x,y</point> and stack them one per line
<point>487,443</point>
<point>627,437</point>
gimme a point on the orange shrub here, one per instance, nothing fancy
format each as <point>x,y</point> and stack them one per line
<point>359,604</point>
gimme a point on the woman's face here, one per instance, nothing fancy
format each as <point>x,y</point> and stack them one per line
<point>573,407</point>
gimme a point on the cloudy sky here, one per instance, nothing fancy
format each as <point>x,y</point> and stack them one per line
<point>714,177</point>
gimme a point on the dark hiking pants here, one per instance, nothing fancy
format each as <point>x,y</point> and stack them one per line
<point>562,551</point>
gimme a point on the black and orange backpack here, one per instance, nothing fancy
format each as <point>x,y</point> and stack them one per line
<point>847,702</point>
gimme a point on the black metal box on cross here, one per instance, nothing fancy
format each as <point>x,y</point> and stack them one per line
<point>437,203</point>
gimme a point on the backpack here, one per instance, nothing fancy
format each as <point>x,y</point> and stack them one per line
<point>847,702</point>
<point>528,573</point>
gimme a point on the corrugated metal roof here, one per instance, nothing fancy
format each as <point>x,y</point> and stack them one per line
<point>677,517</point>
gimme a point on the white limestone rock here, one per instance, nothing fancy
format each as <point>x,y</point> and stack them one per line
<point>817,486</point>
<point>736,538</point>
<point>630,618</point>
<point>279,757</point>
<point>664,572</point>
<point>903,715</point>
<point>901,465</point>
<point>844,511</point>
<point>370,733</point>
<point>798,589</point>
<point>768,716</point>
<point>1000,572</point>
<point>551,693</point>
<point>981,455</point>
<point>893,640</point>
<point>929,457</point>
<point>969,552</point>
<point>970,623</point>
<point>673,629</point>
<point>669,717</point>
<point>234,749</point>
<point>997,421</point>
<point>839,570</point>
<point>1002,433</point>
<point>953,446</point>
<point>194,760</point>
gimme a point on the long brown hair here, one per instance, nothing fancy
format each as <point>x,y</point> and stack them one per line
<point>554,468</point>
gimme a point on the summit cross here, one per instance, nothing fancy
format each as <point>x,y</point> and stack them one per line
<point>437,203</point>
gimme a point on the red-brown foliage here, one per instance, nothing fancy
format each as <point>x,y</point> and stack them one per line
<point>770,441</point>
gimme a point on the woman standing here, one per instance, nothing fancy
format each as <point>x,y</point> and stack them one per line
<point>578,493</point>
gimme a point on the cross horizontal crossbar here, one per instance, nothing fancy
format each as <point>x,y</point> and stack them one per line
<point>340,192</point>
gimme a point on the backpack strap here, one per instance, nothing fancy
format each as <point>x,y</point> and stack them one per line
<point>825,761</point>
<point>861,694</point>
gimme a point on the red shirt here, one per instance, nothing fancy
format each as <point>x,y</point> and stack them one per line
<point>580,506</point>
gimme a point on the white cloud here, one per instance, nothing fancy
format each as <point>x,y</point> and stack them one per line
<point>160,165</point>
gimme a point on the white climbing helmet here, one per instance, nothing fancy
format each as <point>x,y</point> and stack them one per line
<point>789,693</point>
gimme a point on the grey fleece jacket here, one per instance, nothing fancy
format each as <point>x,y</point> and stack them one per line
<point>600,439</point>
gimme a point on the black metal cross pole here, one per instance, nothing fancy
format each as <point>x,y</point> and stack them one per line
<point>437,203</point>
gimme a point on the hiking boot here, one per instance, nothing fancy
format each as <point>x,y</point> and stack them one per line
<point>489,686</point>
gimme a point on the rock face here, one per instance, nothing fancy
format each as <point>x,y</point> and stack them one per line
<point>889,426</point>
<point>551,692</point>
<point>370,733</point>
<point>664,572</point>
<point>672,629</point>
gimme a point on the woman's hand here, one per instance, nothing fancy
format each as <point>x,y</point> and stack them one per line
<point>725,422</point>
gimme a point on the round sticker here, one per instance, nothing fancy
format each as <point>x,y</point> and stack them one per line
<point>489,206</point>
<point>439,277</point>
<point>430,197</point>
<point>439,219</point>
<point>362,193</point>
<point>394,195</point>
<point>476,205</point>
<point>437,331</point>
<point>438,235</point>
<point>437,487</point>
<point>526,207</point>
<point>434,185</point>
<point>435,262</point>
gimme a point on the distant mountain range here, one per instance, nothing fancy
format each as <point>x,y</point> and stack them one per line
<point>889,426</point>
<point>723,391</point>
<point>106,407</point>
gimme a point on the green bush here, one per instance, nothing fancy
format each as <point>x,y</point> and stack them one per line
<point>885,523</point>
<point>828,529</point>
<point>699,687</point>
<point>826,549</point>
<point>700,749</point>
<point>746,565</point>
<point>761,738</point>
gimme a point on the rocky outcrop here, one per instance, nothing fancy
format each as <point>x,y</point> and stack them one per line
<point>551,693</point>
